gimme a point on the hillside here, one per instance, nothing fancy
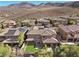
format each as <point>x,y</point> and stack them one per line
<point>29,10</point>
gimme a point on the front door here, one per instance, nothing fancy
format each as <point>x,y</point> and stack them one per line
<point>38,44</point>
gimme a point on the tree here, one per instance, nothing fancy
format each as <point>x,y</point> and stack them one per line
<point>18,23</point>
<point>56,52</point>
<point>28,24</point>
<point>71,22</point>
<point>5,50</point>
<point>45,52</point>
<point>2,26</point>
<point>25,24</point>
<point>36,22</point>
<point>21,37</point>
<point>67,51</point>
<point>71,50</point>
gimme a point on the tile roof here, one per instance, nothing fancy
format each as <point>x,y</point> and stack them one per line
<point>22,29</point>
<point>10,32</point>
<point>9,21</point>
<point>10,40</point>
<point>13,31</point>
<point>30,39</point>
<point>41,32</point>
<point>43,20</point>
<point>70,28</point>
<point>50,40</point>
<point>58,19</point>
<point>74,17</point>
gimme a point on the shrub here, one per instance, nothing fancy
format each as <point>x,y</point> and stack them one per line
<point>5,50</point>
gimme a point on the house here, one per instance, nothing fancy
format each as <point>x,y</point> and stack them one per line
<point>53,41</point>
<point>41,36</point>
<point>43,22</point>
<point>69,33</point>
<point>76,18</point>
<point>58,21</point>
<point>10,35</point>
<point>9,23</point>
<point>65,16</point>
<point>28,21</point>
<point>38,27</point>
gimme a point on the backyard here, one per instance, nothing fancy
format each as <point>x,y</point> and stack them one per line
<point>30,49</point>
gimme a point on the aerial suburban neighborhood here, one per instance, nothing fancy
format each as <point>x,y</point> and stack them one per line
<point>44,30</point>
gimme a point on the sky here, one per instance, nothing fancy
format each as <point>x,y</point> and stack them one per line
<point>5,3</point>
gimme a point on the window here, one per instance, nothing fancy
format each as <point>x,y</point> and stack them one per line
<point>77,40</point>
<point>48,45</point>
<point>38,42</point>
<point>6,37</point>
<point>70,40</point>
<point>44,37</point>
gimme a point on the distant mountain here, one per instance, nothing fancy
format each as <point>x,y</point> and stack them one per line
<point>74,4</point>
<point>52,4</point>
<point>41,4</point>
<point>22,4</point>
<point>26,4</point>
<point>49,8</point>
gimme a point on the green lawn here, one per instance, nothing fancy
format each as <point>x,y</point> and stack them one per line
<point>30,48</point>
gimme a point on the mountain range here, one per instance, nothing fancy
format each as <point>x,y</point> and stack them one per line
<point>25,9</point>
<point>26,4</point>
